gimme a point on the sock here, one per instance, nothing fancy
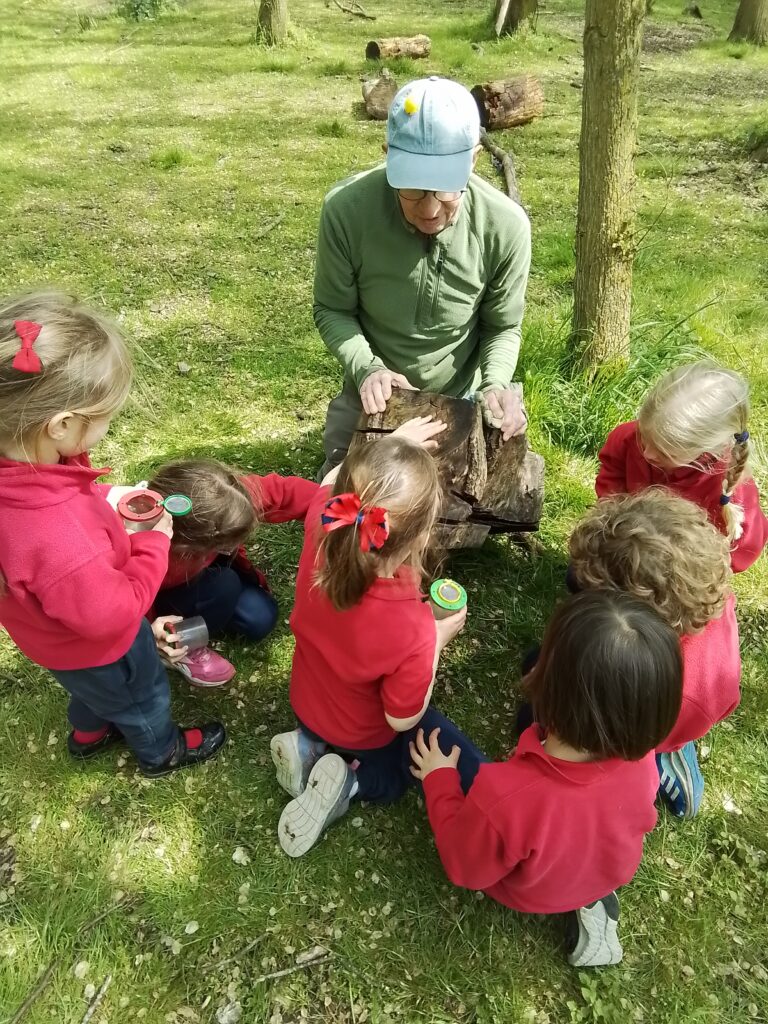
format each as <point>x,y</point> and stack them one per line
<point>80,736</point>
<point>194,738</point>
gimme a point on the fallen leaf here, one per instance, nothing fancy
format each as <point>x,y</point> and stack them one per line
<point>229,1014</point>
<point>81,969</point>
<point>191,927</point>
<point>240,856</point>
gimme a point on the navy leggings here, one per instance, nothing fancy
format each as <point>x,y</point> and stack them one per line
<point>132,694</point>
<point>228,601</point>
<point>384,774</point>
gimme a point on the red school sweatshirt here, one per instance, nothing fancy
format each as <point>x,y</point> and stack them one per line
<point>543,835</point>
<point>624,470</point>
<point>75,585</point>
<point>277,499</point>
<point>711,677</point>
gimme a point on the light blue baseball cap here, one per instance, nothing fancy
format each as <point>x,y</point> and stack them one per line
<point>432,130</point>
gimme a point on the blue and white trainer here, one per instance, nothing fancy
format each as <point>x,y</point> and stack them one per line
<point>294,755</point>
<point>325,799</point>
<point>592,934</point>
<point>681,784</point>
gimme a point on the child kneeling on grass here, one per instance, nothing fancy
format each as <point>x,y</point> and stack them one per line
<point>560,826</point>
<point>663,549</point>
<point>367,643</point>
<point>691,436</point>
<point>74,586</point>
<point>209,573</point>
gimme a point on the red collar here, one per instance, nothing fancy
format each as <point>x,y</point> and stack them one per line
<point>581,773</point>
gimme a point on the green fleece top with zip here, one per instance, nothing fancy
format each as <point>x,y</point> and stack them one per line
<point>444,310</point>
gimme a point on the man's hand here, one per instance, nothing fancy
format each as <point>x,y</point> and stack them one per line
<point>428,757</point>
<point>376,389</point>
<point>505,407</point>
<point>422,430</point>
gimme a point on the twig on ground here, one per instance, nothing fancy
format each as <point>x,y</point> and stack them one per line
<point>506,166</point>
<point>355,9</point>
<point>45,979</point>
<point>269,226</point>
<point>319,959</point>
<point>97,999</point>
<point>37,991</point>
<point>237,956</point>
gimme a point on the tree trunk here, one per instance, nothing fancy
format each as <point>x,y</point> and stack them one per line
<point>398,46</point>
<point>272,25</point>
<point>751,22</point>
<point>509,104</point>
<point>605,219</point>
<point>509,14</point>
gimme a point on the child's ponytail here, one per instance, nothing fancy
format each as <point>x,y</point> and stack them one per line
<point>384,505</point>
<point>733,514</point>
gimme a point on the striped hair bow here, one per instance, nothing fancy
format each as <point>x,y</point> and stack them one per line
<point>348,510</point>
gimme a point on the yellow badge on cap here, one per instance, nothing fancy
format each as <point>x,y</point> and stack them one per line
<point>410,106</point>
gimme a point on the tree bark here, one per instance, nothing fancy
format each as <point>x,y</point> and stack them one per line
<point>605,219</point>
<point>510,103</point>
<point>272,24</point>
<point>398,46</point>
<point>751,24</point>
<point>508,15</point>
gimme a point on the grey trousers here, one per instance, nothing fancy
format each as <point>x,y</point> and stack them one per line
<point>343,413</point>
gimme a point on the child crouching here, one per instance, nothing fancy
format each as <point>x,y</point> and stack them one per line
<point>560,826</point>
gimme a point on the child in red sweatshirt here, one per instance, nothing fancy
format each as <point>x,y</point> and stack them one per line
<point>209,573</point>
<point>74,586</point>
<point>560,826</point>
<point>691,436</point>
<point>367,641</point>
<point>663,549</point>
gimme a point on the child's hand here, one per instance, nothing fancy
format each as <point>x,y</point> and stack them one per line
<point>428,757</point>
<point>450,627</point>
<point>165,524</point>
<point>166,642</point>
<point>421,429</point>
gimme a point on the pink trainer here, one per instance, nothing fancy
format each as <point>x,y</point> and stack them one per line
<point>205,667</point>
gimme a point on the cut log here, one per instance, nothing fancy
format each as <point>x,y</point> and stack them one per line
<point>378,93</point>
<point>398,46</point>
<point>487,484</point>
<point>509,103</point>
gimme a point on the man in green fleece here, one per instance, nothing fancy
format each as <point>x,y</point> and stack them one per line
<point>421,270</point>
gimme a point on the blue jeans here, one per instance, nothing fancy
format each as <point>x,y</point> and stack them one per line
<point>132,693</point>
<point>384,774</point>
<point>225,599</point>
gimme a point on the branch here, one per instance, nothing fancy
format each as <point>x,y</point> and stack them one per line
<point>355,9</point>
<point>319,959</point>
<point>237,956</point>
<point>506,166</point>
<point>97,999</point>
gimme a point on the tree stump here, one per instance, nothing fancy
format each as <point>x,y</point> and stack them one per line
<point>487,484</point>
<point>378,93</point>
<point>398,46</point>
<point>510,103</point>
<point>508,15</point>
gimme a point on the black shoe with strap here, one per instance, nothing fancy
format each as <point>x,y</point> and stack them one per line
<point>214,737</point>
<point>83,751</point>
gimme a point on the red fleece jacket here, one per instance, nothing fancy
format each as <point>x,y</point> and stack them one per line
<point>711,677</point>
<point>277,499</point>
<point>76,585</point>
<point>540,834</point>
<point>624,470</point>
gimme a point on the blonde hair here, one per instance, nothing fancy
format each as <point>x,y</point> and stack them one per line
<point>224,510</point>
<point>659,547</point>
<point>698,410</point>
<point>395,474</point>
<point>86,368</point>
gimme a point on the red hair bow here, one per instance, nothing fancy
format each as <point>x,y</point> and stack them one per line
<point>26,359</point>
<point>348,510</point>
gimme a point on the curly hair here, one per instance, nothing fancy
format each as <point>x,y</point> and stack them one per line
<point>659,547</point>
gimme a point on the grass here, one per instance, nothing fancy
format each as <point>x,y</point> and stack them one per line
<point>138,164</point>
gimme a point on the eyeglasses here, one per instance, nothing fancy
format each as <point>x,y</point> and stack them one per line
<point>415,195</point>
